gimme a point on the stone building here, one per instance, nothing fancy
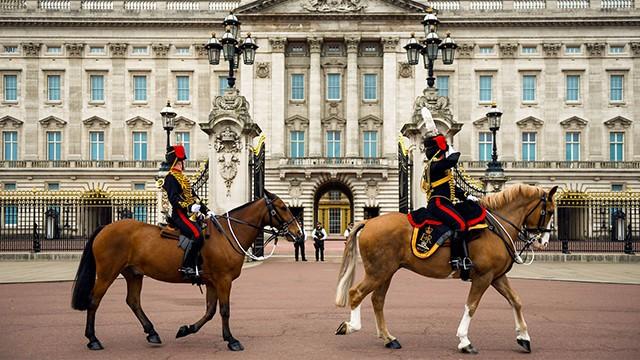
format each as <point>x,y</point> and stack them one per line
<point>83,83</point>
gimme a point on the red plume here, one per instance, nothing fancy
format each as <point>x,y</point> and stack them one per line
<point>180,153</point>
<point>441,141</point>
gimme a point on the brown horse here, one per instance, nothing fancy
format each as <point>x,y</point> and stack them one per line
<point>385,247</point>
<point>135,249</point>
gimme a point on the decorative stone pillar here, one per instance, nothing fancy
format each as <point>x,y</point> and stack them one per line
<point>390,63</point>
<point>315,98</point>
<point>352,96</point>
<point>278,82</point>
<point>231,131</point>
<point>74,77</point>
<point>494,181</point>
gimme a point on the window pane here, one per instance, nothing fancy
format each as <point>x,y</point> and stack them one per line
<point>485,146</point>
<point>573,88</point>
<point>485,88</point>
<point>615,85</point>
<point>486,49</point>
<point>140,213</point>
<point>335,220</point>
<point>529,146</point>
<point>10,145</point>
<point>97,88</point>
<point>10,87</point>
<point>333,87</point>
<point>572,49</point>
<point>96,139</point>
<point>139,146</point>
<point>182,83</point>
<point>370,87</point>
<point>572,146</point>
<point>53,86</point>
<point>140,88</point>
<point>442,83</point>
<point>54,145</point>
<point>10,214</point>
<point>297,87</point>
<point>616,146</point>
<point>184,138</point>
<point>297,144</point>
<point>529,88</point>
<point>223,84</point>
<point>333,144</point>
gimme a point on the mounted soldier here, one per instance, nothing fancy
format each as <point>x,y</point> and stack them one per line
<point>187,208</point>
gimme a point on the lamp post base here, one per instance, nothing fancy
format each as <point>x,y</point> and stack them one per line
<point>494,179</point>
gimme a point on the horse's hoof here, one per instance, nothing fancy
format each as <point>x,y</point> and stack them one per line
<point>235,346</point>
<point>94,345</point>
<point>393,344</point>
<point>342,329</point>
<point>526,345</point>
<point>184,331</point>
<point>469,349</point>
<point>154,339</point>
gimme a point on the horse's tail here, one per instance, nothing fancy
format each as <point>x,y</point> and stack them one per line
<point>348,268</point>
<point>86,276</point>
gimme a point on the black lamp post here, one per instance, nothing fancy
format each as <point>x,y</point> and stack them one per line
<point>493,117</point>
<point>430,47</point>
<point>230,48</point>
<point>168,123</point>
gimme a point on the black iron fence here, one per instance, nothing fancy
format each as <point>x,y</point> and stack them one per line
<point>64,220</point>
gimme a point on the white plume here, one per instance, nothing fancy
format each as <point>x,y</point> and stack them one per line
<point>429,125</point>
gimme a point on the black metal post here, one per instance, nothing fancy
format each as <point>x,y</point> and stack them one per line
<point>164,166</point>
<point>231,80</point>
<point>494,165</point>
<point>628,244</point>
<point>36,238</point>
<point>168,137</point>
<point>430,79</point>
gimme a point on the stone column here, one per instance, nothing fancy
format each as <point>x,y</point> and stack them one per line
<point>278,83</point>
<point>315,98</point>
<point>118,85</point>
<point>74,81</point>
<point>633,80</point>
<point>353,99</point>
<point>31,100</point>
<point>591,86</point>
<point>389,84</point>
<point>162,77</point>
<point>231,131</point>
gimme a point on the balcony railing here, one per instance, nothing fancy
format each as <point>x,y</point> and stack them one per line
<point>447,5</point>
<point>54,4</point>
<point>486,5</point>
<point>13,4</point>
<point>91,164</point>
<point>529,4</point>
<point>556,164</point>
<point>356,162</point>
<point>97,5</point>
<point>573,4</point>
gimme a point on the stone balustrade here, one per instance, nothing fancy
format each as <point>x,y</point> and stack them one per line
<point>13,4</point>
<point>556,164</point>
<point>573,4</point>
<point>350,162</point>
<point>91,164</point>
<point>54,4</point>
<point>617,4</point>
<point>184,5</point>
<point>140,5</point>
<point>523,5</point>
<point>486,5</point>
<point>446,5</point>
<point>96,5</point>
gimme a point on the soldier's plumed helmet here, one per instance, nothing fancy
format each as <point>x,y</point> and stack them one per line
<point>175,153</point>
<point>433,144</point>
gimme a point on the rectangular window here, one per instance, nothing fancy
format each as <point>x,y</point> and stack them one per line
<point>223,84</point>
<point>10,145</point>
<point>529,146</point>
<point>297,86</point>
<point>573,88</point>
<point>616,83</point>
<point>572,49</point>
<point>10,210</point>
<point>10,49</point>
<point>140,88</point>
<point>528,88</point>
<point>10,87</point>
<point>184,138</point>
<point>572,146</point>
<point>139,186</point>
<point>53,87</point>
<point>486,50</point>
<point>140,213</point>
<point>616,49</point>
<point>9,186</point>
<point>96,145</point>
<point>333,144</point>
<point>335,220</point>
<point>54,145</point>
<point>485,88</point>
<point>370,144</point>
<point>183,50</point>
<point>370,87</point>
<point>297,144</point>
<point>139,50</point>
<point>182,85</point>
<point>97,87</point>
<point>139,145</point>
<point>53,186</point>
<point>96,50</point>
<point>617,187</point>
<point>54,50</point>
<point>529,49</point>
<point>334,86</point>
<point>442,84</point>
<point>485,141</point>
<point>616,146</point>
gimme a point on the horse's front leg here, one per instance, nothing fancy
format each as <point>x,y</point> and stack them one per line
<point>223,288</point>
<point>478,287</point>
<point>212,301</point>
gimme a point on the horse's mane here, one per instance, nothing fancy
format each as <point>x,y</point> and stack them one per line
<point>510,194</point>
<point>267,193</point>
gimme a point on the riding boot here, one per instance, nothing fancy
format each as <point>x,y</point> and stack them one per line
<point>456,251</point>
<point>466,264</point>
<point>188,268</point>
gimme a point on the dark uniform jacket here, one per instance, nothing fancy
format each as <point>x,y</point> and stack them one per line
<point>181,197</point>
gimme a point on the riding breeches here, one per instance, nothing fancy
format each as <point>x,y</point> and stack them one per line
<point>443,210</point>
<point>187,227</point>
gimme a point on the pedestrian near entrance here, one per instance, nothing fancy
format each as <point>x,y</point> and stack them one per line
<point>348,230</point>
<point>298,244</point>
<point>319,235</point>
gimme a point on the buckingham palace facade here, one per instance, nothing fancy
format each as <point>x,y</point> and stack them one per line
<point>83,83</point>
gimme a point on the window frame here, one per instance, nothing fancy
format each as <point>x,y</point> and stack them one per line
<point>179,139</point>
<point>133,88</point>
<point>438,79</point>
<point>47,76</point>
<point>535,88</point>
<point>134,53</point>
<point>48,51</point>
<point>328,87</point>
<point>5,52</point>
<point>135,143</point>
<point>566,88</point>
<point>481,52</point>
<point>484,142</point>
<point>296,143</point>
<point>364,88</point>
<point>222,78</point>
<point>528,142</point>
<point>572,143</point>
<point>332,143</point>
<point>492,92</point>
<point>177,78</point>
<point>14,144</point>
<point>100,145</point>
<point>526,53</point>
<point>622,86</point>
<point>292,88</point>
<point>179,48</point>
<point>616,144</point>
<point>91,89</point>
<point>57,145</point>
<point>101,53</point>
<point>368,144</point>
<point>622,47</point>
<point>579,47</point>
<point>4,87</point>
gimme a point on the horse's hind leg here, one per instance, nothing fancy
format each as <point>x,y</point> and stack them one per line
<point>99,289</point>
<point>478,287</point>
<point>223,288</point>
<point>134,288</point>
<point>356,295</point>
<point>212,301</point>
<point>377,299</point>
<point>503,286</point>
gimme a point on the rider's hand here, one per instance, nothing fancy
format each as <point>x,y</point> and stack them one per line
<point>195,208</point>
<point>450,151</point>
<point>211,214</point>
<point>472,198</point>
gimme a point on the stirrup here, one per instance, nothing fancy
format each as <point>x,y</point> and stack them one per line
<point>455,263</point>
<point>467,264</point>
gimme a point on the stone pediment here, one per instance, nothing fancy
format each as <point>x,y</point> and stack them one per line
<point>96,121</point>
<point>182,122</point>
<point>370,122</point>
<point>530,122</point>
<point>10,122</point>
<point>52,121</point>
<point>296,120</point>
<point>139,121</point>
<point>334,122</point>
<point>618,123</point>
<point>312,7</point>
<point>481,123</point>
<point>574,122</point>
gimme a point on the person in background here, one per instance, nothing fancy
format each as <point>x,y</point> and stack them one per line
<point>348,230</point>
<point>298,244</point>
<point>319,235</point>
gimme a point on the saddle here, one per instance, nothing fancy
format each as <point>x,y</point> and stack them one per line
<point>170,231</point>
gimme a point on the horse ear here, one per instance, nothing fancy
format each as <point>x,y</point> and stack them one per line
<point>552,192</point>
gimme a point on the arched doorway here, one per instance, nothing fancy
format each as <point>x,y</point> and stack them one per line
<point>333,207</point>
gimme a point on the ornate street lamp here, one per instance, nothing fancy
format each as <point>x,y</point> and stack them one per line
<point>493,117</point>
<point>168,123</point>
<point>430,47</point>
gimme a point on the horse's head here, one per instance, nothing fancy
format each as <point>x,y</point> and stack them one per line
<point>539,220</point>
<point>280,217</point>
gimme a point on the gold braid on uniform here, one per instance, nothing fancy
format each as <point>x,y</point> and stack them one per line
<point>187,194</point>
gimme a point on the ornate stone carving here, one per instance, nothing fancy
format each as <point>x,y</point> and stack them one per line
<point>352,44</point>
<point>390,44</point>
<point>10,122</point>
<point>31,49</point>
<point>96,122</point>
<point>465,50</point>
<point>231,104</point>
<point>617,123</point>
<point>160,50</point>
<point>315,44</point>
<point>182,122</point>
<point>551,49</point>
<point>263,70</point>
<point>201,51</point>
<point>228,146</point>
<point>372,191</point>
<point>139,122</point>
<point>334,123</point>
<point>370,122</point>
<point>278,44</point>
<point>596,49</point>
<point>438,105</point>
<point>573,122</point>
<point>508,49</point>
<point>405,70</point>
<point>530,123</point>
<point>295,188</point>
<point>635,48</point>
<point>52,121</point>
<point>342,6</point>
<point>74,50</point>
<point>118,49</point>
